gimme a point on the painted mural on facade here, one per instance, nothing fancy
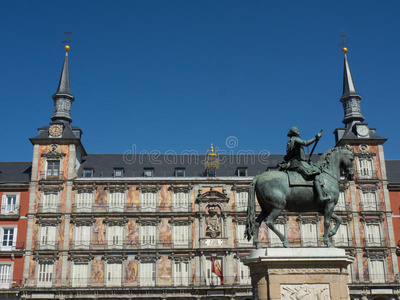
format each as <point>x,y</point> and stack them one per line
<point>99,233</point>
<point>132,198</point>
<point>164,271</point>
<point>164,200</point>
<point>164,233</point>
<point>131,271</point>
<point>97,271</point>
<point>132,233</point>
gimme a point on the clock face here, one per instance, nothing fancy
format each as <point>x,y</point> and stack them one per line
<point>55,130</point>
<point>362,130</point>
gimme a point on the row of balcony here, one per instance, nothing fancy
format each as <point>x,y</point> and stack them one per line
<point>6,283</point>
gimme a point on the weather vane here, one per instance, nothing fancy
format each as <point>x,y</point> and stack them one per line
<point>343,43</point>
<point>67,40</point>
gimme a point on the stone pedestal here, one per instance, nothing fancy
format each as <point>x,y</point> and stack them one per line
<point>299,273</point>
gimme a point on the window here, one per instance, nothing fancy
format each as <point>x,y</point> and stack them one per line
<point>181,273</point>
<point>45,272</point>
<point>377,272</point>
<point>211,173</point>
<point>180,236</point>
<point>366,168</point>
<point>83,201</point>
<point>240,239</point>
<point>114,274</point>
<point>50,202</point>
<point>273,239</point>
<point>115,236</point>
<point>5,275</point>
<point>116,201</point>
<point>241,200</point>
<point>241,172</point>
<point>341,204</point>
<point>148,172</point>
<point>368,201</point>
<point>10,204</point>
<point>309,235</point>
<point>180,201</point>
<point>147,235</point>
<point>87,172</point>
<point>80,274</point>
<point>8,238</point>
<point>212,278</point>
<point>53,168</point>
<point>82,237</point>
<point>243,273</point>
<point>148,201</point>
<point>373,235</point>
<point>147,274</point>
<point>118,172</point>
<point>47,237</point>
<point>179,172</point>
<point>341,238</point>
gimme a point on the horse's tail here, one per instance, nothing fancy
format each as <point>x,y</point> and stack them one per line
<point>251,211</point>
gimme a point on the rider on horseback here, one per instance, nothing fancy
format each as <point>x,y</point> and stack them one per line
<point>295,160</point>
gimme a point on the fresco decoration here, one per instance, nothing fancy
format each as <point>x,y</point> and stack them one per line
<point>164,233</point>
<point>68,277</point>
<point>164,199</point>
<point>35,235</point>
<point>233,200</point>
<point>32,268</point>
<point>164,271</point>
<point>63,199</point>
<point>389,261</point>
<point>361,232</point>
<point>71,236</point>
<point>132,234</point>
<point>100,199</point>
<point>365,268</point>
<point>65,149</point>
<point>58,271</point>
<point>193,234</point>
<point>192,200</point>
<point>97,271</point>
<point>193,271</point>
<point>263,234</point>
<point>235,271</point>
<point>99,233</point>
<point>60,237</point>
<point>40,169</point>
<point>37,199</point>
<point>131,271</point>
<point>293,230</point>
<point>213,221</point>
<point>132,199</point>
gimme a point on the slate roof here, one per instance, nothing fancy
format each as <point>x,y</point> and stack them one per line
<point>393,171</point>
<point>15,172</point>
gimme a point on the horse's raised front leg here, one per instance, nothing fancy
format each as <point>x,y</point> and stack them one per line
<point>270,223</point>
<point>327,222</point>
<point>338,221</point>
<point>259,220</point>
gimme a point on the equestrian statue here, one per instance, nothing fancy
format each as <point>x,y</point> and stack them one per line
<point>299,185</point>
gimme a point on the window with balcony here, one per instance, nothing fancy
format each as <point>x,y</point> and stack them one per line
<point>47,237</point>
<point>148,201</point>
<point>369,200</point>
<point>181,273</point>
<point>8,238</point>
<point>114,274</point>
<point>373,236</point>
<point>308,232</point>
<point>82,236</point>
<point>341,238</point>
<point>240,239</point>
<point>180,200</point>
<point>212,278</point>
<point>180,236</point>
<point>243,273</point>
<point>116,201</point>
<point>147,235</point>
<point>147,271</point>
<point>53,169</point>
<point>10,204</point>
<point>45,272</point>
<point>6,275</point>
<point>50,202</point>
<point>366,168</point>
<point>84,201</point>
<point>80,274</point>
<point>115,236</point>
<point>377,270</point>
<point>342,201</point>
<point>241,200</point>
<point>273,239</point>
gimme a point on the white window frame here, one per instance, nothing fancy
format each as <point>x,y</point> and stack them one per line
<point>241,169</point>
<point>180,200</point>
<point>341,238</point>
<point>6,274</point>
<point>309,234</point>
<point>82,236</point>
<point>240,239</point>
<point>211,278</point>
<point>342,201</point>
<point>48,232</point>
<point>273,239</point>
<point>8,247</point>
<point>365,167</point>
<point>50,202</point>
<point>375,264</point>
<point>145,278</point>
<point>116,201</point>
<point>180,235</point>
<point>57,176</point>
<point>183,170</point>
<point>114,274</point>
<point>369,200</point>
<point>45,274</point>
<point>373,234</point>
<point>84,201</point>
<point>243,272</point>
<point>241,200</point>
<point>181,273</point>
<point>148,201</point>
<point>115,236</point>
<point>9,208</point>
<point>80,274</point>
<point>148,236</point>
<point>148,172</point>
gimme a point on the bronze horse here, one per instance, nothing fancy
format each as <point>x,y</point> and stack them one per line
<point>274,194</point>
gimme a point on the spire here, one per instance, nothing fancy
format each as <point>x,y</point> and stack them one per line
<point>63,98</point>
<point>350,98</point>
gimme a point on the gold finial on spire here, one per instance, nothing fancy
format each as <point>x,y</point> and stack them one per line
<point>212,160</point>
<point>343,43</point>
<point>67,40</point>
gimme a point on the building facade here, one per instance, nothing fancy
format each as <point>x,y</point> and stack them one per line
<point>106,226</point>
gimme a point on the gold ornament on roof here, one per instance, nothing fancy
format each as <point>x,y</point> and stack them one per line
<point>212,159</point>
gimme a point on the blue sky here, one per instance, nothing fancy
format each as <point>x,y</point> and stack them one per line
<point>171,76</point>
